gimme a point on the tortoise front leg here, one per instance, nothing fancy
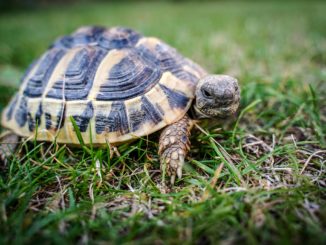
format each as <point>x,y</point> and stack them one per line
<point>174,145</point>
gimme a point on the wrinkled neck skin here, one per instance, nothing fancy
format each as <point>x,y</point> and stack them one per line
<point>196,114</point>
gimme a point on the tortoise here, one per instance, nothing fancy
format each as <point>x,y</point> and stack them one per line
<point>117,85</point>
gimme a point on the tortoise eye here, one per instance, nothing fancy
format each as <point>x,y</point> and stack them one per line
<point>206,94</point>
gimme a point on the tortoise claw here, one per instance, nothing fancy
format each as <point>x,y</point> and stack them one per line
<point>174,166</point>
<point>172,180</point>
<point>179,172</point>
<point>180,165</point>
<point>176,172</point>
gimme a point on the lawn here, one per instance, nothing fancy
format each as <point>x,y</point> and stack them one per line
<point>259,178</point>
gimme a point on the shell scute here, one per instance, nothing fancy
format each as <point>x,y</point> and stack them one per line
<point>34,120</point>
<point>54,115</point>
<point>21,112</point>
<point>111,38</point>
<point>36,84</point>
<point>77,65</point>
<point>115,121</point>
<point>84,118</point>
<point>176,99</point>
<point>129,78</point>
<point>167,59</point>
<point>78,78</point>
<point>48,120</point>
<point>147,113</point>
<point>118,38</point>
<point>83,36</point>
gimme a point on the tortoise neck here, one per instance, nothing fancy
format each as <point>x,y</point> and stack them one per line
<point>194,113</point>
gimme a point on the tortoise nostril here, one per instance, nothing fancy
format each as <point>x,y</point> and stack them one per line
<point>228,95</point>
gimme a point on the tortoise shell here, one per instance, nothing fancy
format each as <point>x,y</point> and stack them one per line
<point>115,83</point>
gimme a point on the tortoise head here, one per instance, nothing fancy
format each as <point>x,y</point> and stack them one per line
<point>217,96</point>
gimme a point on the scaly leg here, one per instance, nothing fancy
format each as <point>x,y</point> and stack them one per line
<point>8,143</point>
<point>174,145</point>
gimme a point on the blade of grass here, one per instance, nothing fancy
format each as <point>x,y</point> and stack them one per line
<point>242,113</point>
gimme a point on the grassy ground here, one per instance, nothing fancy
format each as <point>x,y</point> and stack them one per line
<point>258,179</point>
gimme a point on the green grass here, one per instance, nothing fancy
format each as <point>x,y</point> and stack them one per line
<point>271,188</point>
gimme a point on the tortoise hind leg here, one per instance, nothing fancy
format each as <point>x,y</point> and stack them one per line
<point>8,144</point>
<point>174,145</point>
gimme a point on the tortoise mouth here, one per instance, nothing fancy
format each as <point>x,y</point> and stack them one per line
<point>220,112</point>
<point>228,111</point>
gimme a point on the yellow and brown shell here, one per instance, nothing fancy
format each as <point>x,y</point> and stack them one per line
<point>116,84</point>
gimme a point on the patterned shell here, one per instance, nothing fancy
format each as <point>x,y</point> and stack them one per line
<point>116,84</point>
